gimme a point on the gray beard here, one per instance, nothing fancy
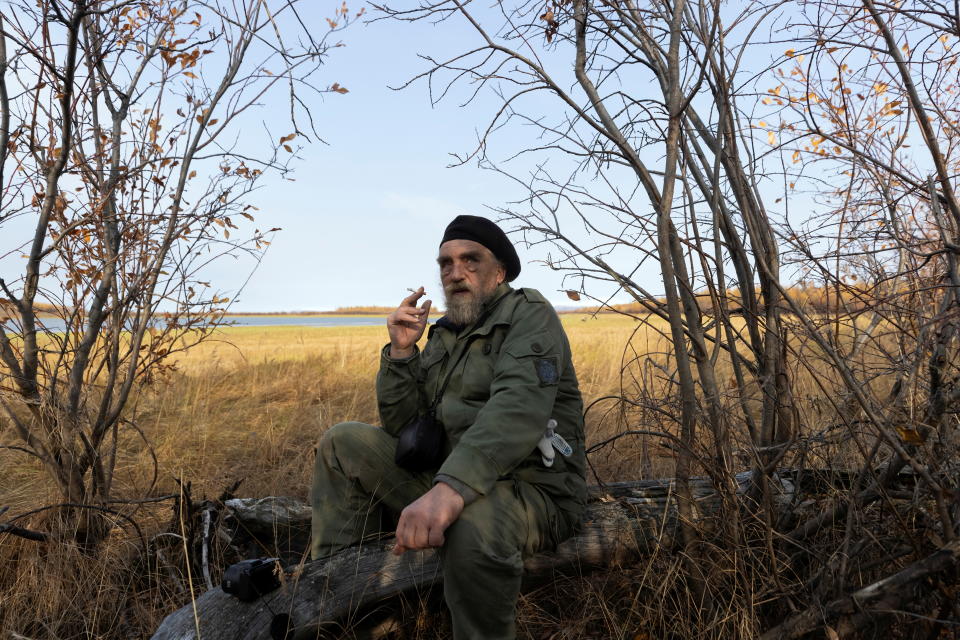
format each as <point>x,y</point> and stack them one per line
<point>464,312</point>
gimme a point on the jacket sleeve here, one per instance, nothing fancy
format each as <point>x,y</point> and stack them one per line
<point>397,389</point>
<point>522,396</point>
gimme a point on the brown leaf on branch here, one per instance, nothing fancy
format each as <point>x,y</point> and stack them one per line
<point>552,25</point>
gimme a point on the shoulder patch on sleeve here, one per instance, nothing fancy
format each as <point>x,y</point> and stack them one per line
<point>547,371</point>
<point>532,295</point>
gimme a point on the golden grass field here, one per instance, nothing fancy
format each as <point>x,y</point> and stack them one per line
<point>249,403</point>
<point>252,402</point>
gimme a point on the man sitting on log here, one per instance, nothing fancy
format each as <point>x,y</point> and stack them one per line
<point>496,383</point>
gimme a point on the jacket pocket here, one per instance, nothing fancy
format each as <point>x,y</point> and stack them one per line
<point>540,353</point>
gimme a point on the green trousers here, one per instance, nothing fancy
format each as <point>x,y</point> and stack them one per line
<point>356,482</point>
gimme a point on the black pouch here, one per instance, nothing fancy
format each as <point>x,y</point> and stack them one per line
<point>420,445</point>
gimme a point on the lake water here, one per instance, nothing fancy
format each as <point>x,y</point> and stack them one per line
<point>57,325</point>
<point>307,321</point>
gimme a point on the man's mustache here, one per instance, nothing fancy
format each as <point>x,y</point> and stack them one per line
<point>457,288</point>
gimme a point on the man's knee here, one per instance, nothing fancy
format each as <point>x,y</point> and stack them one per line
<point>488,535</point>
<point>473,557</point>
<point>344,434</point>
<point>348,441</point>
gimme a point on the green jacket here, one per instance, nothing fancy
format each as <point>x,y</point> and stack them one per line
<point>509,374</point>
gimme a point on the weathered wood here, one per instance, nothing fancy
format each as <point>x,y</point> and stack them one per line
<point>624,521</point>
<point>275,525</point>
<point>270,512</point>
<point>283,523</point>
<point>849,614</point>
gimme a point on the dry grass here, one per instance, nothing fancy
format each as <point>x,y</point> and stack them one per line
<point>250,404</point>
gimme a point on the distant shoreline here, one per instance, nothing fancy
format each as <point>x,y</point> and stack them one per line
<point>306,314</point>
<point>42,315</point>
<point>372,314</point>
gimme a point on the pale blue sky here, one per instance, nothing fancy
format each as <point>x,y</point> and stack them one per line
<point>363,219</point>
<point>363,216</point>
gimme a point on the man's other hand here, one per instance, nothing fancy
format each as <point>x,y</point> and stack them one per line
<point>406,324</point>
<point>424,520</point>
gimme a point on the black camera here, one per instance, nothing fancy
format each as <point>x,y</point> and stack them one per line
<point>250,579</point>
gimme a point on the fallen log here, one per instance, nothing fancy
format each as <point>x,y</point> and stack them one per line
<point>282,524</point>
<point>849,614</point>
<point>322,595</point>
<point>624,521</point>
<point>275,525</point>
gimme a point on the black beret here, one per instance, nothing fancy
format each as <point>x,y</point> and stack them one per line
<point>489,235</point>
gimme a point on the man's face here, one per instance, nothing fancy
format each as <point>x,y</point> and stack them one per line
<point>469,273</point>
